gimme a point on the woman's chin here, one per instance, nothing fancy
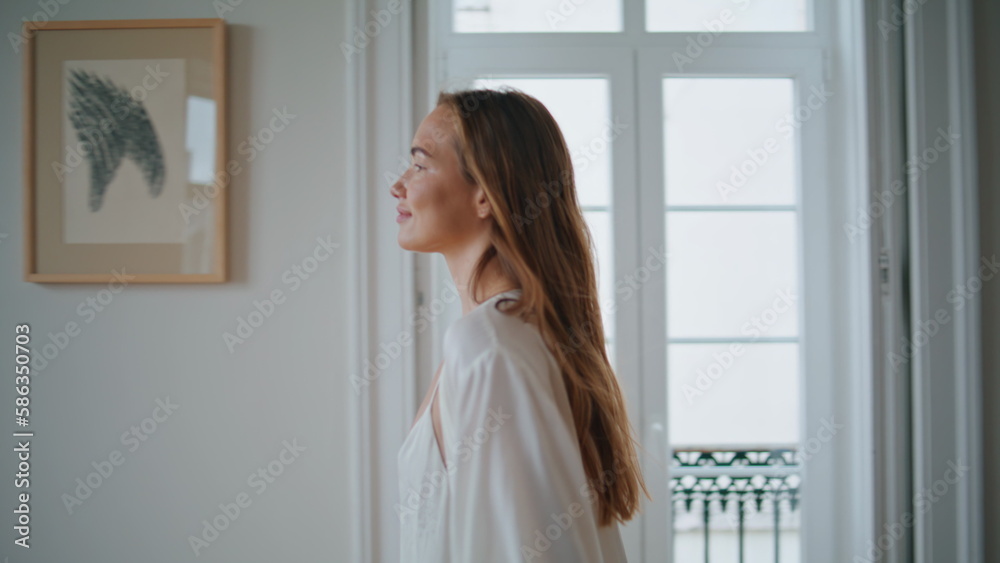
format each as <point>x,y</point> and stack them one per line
<point>406,244</point>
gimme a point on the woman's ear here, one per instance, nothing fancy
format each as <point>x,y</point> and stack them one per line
<point>483,207</point>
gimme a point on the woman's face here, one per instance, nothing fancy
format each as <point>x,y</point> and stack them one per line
<point>437,206</point>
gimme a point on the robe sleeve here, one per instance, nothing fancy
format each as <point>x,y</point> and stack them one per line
<point>517,486</point>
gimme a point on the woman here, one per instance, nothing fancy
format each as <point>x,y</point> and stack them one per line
<point>522,449</point>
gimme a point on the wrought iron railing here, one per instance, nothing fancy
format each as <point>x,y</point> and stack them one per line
<point>736,482</point>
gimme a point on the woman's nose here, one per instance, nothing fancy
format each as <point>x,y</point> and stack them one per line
<point>396,188</point>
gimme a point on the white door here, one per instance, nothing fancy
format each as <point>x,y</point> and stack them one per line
<point>704,177</point>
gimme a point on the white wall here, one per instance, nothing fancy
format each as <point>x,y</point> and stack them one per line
<point>987,44</point>
<point>287,382</point>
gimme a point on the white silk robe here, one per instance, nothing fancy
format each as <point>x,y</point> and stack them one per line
<point>512,486</point>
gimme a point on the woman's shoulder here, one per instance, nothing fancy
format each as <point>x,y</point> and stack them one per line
<point>488,331</point>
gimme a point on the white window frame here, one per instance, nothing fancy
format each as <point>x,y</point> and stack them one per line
<point>814,225</point>
<point>388,93</point>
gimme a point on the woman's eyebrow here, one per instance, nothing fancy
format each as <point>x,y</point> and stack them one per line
<point>415,149</point>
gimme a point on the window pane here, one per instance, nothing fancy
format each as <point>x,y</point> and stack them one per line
<point>490,16</point>
<point>727,15</point>
<point>733,394</point>
<point>732,274</point>
<point>729,141</point>
<point>729,144</point>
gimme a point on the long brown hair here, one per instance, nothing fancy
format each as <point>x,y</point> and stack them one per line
<point>510,144</point>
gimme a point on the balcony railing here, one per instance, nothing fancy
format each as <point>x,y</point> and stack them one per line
<point>753,488</point>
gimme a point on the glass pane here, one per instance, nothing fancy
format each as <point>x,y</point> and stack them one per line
<point>732,280</point>
<point>729,141</point>
<point>732,274</point>
<point>491,16</point>
<point>733,394</point>
<point>735,435</point>
<point>720,16</point>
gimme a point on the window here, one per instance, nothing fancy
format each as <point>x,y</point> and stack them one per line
<point>700,139</point>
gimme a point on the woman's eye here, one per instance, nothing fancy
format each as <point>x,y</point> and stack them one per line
<point>418,167</point>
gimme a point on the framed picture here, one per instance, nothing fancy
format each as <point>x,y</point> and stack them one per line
<point>125,151</point>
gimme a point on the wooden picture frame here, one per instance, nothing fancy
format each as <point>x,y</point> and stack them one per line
<point>125,151</point>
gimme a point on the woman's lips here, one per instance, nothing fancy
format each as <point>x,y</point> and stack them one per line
<point>402,217</point>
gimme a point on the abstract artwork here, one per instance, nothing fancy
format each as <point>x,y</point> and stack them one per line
<point>124,174</point>
<point>131,133</point>
<point>126,168</point>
